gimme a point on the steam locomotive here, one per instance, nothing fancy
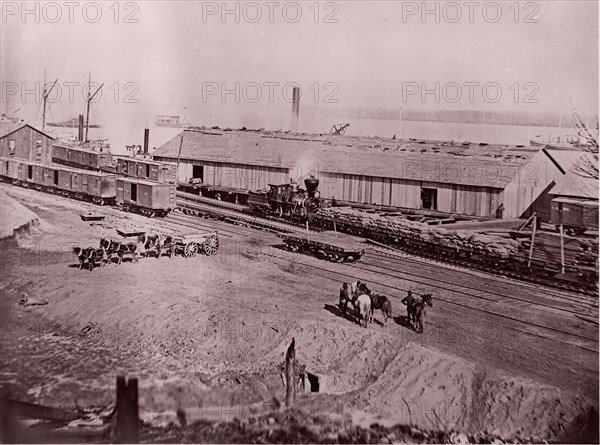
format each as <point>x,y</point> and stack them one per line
<point>289,200</point>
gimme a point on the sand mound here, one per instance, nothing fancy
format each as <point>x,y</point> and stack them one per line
<point>15,216</point>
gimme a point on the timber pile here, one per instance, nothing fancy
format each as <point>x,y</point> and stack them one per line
<point>398,227</point>
<point>578,253</point>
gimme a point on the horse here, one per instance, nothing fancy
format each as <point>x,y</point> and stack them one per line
<point>363,301</point>
<point>169,246</point>
<point>152,242</point>
<point>85,255</point>
<point>122,249</point>
<point>419,309</point>
<point>381,302</point>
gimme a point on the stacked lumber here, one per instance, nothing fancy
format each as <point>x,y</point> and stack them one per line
<point>579,253</point>
<point>399,227</point>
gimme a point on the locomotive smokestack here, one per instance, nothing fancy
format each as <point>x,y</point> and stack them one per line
<point>311,185</point>
<point>295,108</point>
<point>80,128</point>
<point>146,137</point>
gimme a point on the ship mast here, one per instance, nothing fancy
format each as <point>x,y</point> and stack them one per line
<point>89,100</point>
<point>45,95</point>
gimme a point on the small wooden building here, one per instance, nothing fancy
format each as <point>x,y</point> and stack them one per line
<point>22,141</point>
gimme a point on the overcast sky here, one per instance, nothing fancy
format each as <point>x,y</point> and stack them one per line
<point>537,55</point>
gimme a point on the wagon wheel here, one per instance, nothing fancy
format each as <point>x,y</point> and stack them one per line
<point>190,250</point>
<point>211,245</point>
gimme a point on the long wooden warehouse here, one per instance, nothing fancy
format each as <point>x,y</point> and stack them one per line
<point>468,179</point>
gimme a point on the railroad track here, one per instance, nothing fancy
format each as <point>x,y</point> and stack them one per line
<point>416,262</point>
<point>584,342</point>
<point>465,264</point>
<point>233,213</point>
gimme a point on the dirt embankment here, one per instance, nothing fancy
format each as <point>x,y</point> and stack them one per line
<point>208,335</point>
<point>16,218</point>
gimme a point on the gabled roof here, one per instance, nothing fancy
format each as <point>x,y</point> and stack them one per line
<point>446,162</point>
<point>575,184</point>
<point>7,128</point>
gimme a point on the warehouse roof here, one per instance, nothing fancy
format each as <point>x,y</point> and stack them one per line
<point>576,183</point>
<point>8,127</point>
<point>448,162</point>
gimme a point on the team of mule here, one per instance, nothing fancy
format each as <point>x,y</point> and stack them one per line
<point>111,251</point>
<point>365,302</point>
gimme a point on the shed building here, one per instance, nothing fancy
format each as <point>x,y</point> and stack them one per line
<point>450,177</point>
<point>22,141</point>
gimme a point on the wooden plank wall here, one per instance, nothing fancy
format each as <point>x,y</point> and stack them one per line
<point>529,186</point>
<point>233,175</point>
<point>26,147</point>
<point>466,200</point>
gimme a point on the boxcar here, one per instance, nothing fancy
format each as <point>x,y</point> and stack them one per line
<point>9,169</point>
<point>146,169</point>
<point>576,215</point>
<point>81,157</point>
<point>146,197</point>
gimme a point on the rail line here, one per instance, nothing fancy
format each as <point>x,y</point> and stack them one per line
<point>498,291</point>
<point>417,261</point>
<point>582,341</point>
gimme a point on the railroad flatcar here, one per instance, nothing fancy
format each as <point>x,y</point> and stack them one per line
<point>82,157</point>
<point>575,215</point>
<point>288,200</point>
<point>146,197</point>
<point>146,169</point>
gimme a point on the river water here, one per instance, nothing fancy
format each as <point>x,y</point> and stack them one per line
<point>132,133</point>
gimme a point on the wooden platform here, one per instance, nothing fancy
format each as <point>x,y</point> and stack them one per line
<point>92,217</point>
<point>125,233</point>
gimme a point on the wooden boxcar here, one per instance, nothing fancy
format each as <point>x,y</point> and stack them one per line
<point>81,157</point>
<point>9,168</point>
<point>575,214</point>
<point>146,197</point>
<point>146,169</point>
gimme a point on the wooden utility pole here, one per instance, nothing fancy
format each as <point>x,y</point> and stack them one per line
<point>562,249</point>
<point>127,411</point>
<point>532,241</point>
<point>290,370</point>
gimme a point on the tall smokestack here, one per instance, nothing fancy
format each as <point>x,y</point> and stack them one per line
<point>80,128</point>
<point>146,137</point>
<point>295,108</point>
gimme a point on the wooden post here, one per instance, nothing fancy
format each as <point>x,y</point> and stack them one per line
<point>290,381</point>
<point>532,240</point>
<point>335,229</point>
<point>562,250</point>
<point>307,232</point>
<point>127,411</point>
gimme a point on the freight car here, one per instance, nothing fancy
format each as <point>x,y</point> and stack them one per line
<point>146,169</point>
<point>498,255</point>
<point>82,157</point>
<point>98,187</point>
<point>575,215</point>
<point>146,197</point>
<point>289,200</point>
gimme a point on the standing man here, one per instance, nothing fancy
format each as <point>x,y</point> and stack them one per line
<point>500,211</point>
